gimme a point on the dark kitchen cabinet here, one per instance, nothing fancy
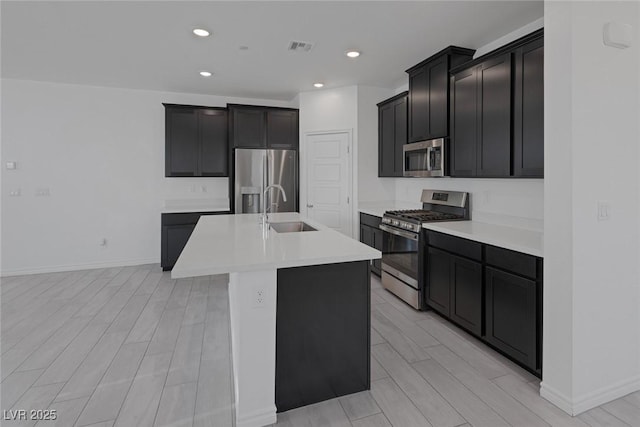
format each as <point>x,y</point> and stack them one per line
<point>372,236</point>
<point>497,113</point>
<point>392,135</point>
<point>429,93</point>
<point>494,117</point>
<point>282,129</point>
<point>494,293</point>
<point>481,111</point>
<point>176,230</point>
<point>511,315</point>
<point>528,110</point>
<point>263,127</point>
<point>464,127</point>
<point>454,285</point>
<point>438,289</point>
<point>195,141</point>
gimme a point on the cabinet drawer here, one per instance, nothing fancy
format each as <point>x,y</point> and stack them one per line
<point>187,217</point>
<point>456,245</point>
<point>515,262</point>
<point>370,220</point>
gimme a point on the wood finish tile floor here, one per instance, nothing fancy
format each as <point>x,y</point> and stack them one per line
<point>427,372</point>
<point>131,347</point>
<point>117,347</point>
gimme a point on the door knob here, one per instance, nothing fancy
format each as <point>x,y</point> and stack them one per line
<point>309,206</point>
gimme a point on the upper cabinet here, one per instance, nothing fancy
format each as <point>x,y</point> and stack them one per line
<point>263,127</point>
<point>195,141</point>
<point>392,135</point>
<point>497,110</point>
<point>428,101</point>
<point>528,110</point>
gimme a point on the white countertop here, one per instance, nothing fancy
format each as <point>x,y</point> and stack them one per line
<point>379,208</point>
<point>234,243</point>
<point>516,239</point>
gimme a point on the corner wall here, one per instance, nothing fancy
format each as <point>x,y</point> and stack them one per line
<point>100,152</point>
<point>591,278</point>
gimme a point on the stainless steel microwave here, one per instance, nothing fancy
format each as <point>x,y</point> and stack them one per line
<point>425,158</point>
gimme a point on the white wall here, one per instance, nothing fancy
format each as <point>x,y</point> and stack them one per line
<point>510,202</point>
<point>100,151</point>
<point>348,108</point>
<point>592,293</point>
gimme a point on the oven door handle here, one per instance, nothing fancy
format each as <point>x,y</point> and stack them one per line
<point>407,234</point>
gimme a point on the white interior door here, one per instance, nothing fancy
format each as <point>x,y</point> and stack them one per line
<point>328,161</point>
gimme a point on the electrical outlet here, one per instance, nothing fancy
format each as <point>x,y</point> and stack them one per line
<point>258,298</point>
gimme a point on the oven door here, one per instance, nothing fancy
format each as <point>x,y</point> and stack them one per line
<point>400,264</point>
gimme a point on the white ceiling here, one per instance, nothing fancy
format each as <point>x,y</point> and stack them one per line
<point>149,44</point>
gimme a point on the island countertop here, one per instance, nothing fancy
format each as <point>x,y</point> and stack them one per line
<point>234,243</point>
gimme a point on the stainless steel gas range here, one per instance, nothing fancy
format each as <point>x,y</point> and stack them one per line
<point>401,241</point>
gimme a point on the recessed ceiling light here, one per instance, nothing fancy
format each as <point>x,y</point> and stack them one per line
<point>200,32</point>
<point>352,53</point>
<point>318,84</point>
<point>205,73</point>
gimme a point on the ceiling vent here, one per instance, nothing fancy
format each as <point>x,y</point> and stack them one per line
<point>298,46</point>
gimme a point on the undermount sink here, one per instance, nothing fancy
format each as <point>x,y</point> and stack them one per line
<point>291,227</point>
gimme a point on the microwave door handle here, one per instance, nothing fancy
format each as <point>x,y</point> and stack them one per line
<point>429,163</point>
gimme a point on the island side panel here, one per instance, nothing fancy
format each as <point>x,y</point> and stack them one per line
<point>252,306</point>
<point>322,333</point>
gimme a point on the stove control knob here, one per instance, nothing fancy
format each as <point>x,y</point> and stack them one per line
<point>395,222</point>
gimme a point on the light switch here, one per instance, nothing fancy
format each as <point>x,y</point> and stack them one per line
<point>12,165</point>
<point>15,193</point>
<point>604,211</point>
<point>617,34</point>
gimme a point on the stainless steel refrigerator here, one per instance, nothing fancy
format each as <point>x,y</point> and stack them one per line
<point>257,169</point>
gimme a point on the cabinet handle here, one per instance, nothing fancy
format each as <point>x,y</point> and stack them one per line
<point>309,206</point>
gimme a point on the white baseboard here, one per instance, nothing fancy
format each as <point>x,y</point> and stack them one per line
<point>557,398</point>
<point>75,267</point>
<point>590,400</point>
<point>259,418</point>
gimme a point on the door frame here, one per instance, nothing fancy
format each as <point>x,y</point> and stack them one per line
<point>304,182</point>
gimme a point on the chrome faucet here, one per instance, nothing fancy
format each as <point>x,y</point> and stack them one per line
<point>265,218</point>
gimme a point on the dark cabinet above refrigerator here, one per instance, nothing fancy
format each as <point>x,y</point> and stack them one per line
<point>263,127</point>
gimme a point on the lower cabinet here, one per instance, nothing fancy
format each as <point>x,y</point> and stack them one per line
<point>494,293</point>
<point>512,315</point>
<point>176,230</point>
<point>454,288</point>
<point>371,235</point>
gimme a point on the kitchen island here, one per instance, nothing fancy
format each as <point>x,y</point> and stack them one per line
<point>299,308</point>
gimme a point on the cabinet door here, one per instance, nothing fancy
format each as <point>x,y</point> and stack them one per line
<point>464,127</point>
<point>494,108</point>
<point>528,110</point>
<point>438,99</point>
<point>181,142</point>
<point>419,104</point>
<point>366,235</point>
<point>282,129</point>
<point>400,134</point>
<point>175,239</point>
<point>377,244</point>
<point>466,294</point>
<point>248,128</point>
<point>386,140</point>
<point>438,286</point>
<point>213,143</point>
<point>511,315</point>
